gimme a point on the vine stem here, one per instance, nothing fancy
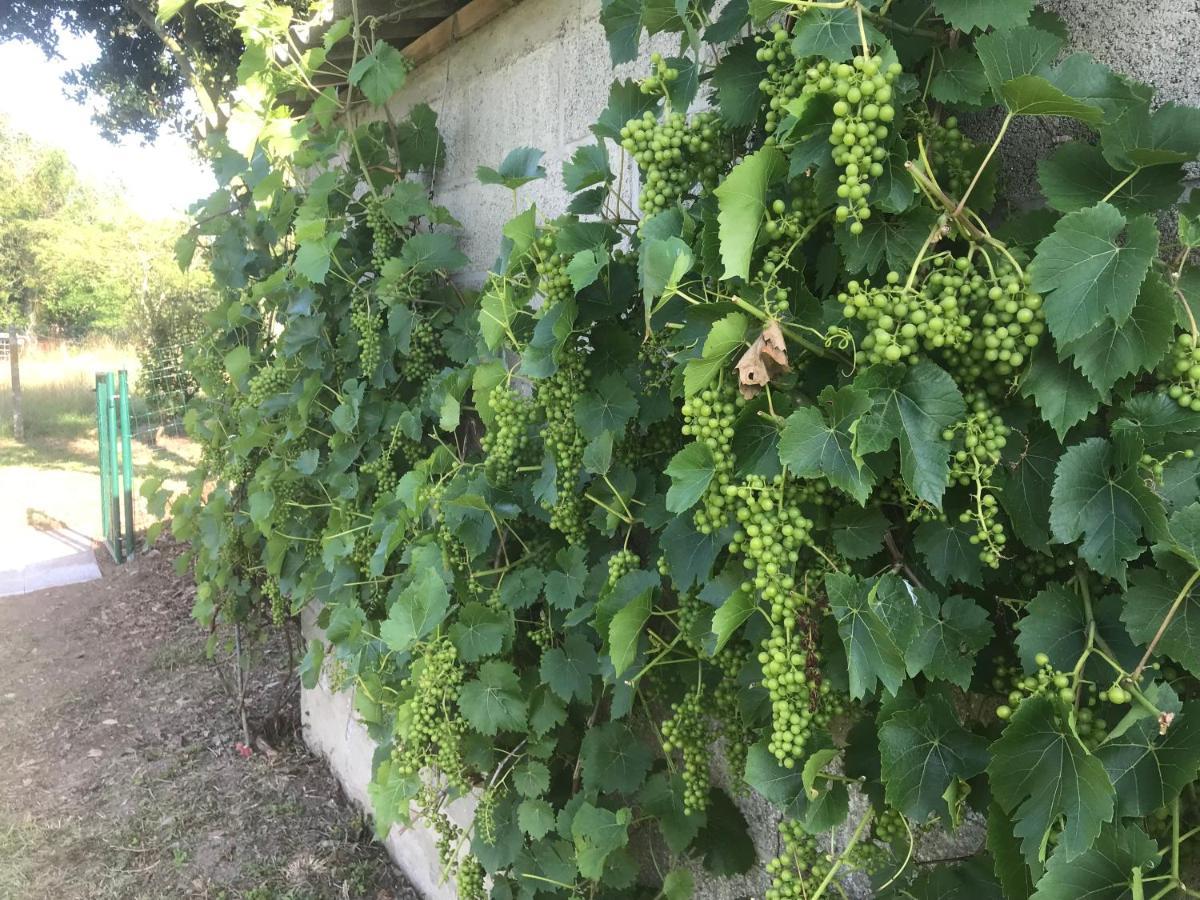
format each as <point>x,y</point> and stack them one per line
<point>1120,184</point>
<point>1162,629</point>
<point>962,203</point>
<point>837,863</point>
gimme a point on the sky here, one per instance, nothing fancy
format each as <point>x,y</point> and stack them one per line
<point>158,180</point>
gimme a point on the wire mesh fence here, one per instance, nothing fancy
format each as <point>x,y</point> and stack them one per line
<point>162,390</point>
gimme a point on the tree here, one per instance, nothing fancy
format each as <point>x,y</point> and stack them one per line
<point>148,74</point>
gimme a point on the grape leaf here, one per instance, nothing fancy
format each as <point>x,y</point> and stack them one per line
<point>535,817</point>
<point>1104,872</point>
<point>493,701</point>
<point>1007,861</point>
<point>613,759</point>
<point>1184,530</point>
<point>959,78</point>
<point>597,834</point>
<point>1053,623</point>
<point>568,670</point>
<point>479,631</point>
<point>725,838</point>
<point>416,611</point>
<point>691,471</point>
<point>818,441</point>
<point>1024,485</point>
<point>736,78</point>
<point>981,15</point>
<point>588,166</point>
<point>1064,396</point>
<point>913,405</point>
<point>1089,271</point>
<point>828,800</point>
<point>625,630</point>
<point>1032,95</point>
<point>521,166</point>
<point>923,750</point>
<point>731,615</point>
<point>896,239</point>
<point>531,778</point>
<point>1148,769</point>
<point>781,786</point>
<point>622,21</point>
<point>606,408</point>
<point>1150,596</point>
<point>1040,772</point>
<point>1105,503</point>
<point>380,74</point>
<point>1010,53</point>
<point>1076,176</point>
<point>946,647</point>
<point>662,798</point>
<point>948,552</point>
<point>830,33</point>
<point>429,251</point>
<point>726,335</point>
<point>1110,351</point>
<point>858,533</point>
<point>872,652</point>
<point>741,198</point>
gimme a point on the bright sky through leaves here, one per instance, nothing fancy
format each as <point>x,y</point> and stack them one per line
<point>158,180</point>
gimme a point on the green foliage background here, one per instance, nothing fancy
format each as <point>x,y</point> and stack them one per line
<point>858,471</point>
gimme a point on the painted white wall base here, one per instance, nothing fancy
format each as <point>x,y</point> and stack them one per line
<point>332,731</point>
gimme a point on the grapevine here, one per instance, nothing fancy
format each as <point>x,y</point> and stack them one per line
<point>791,465</point>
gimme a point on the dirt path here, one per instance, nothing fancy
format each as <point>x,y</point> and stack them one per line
<point>119,775</point>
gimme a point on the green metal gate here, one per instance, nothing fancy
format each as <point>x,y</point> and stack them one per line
<point>116,462</point>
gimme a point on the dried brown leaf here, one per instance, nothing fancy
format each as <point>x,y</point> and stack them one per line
<point>765,360</point>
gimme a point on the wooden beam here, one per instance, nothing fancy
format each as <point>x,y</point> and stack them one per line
<point>470,18</point>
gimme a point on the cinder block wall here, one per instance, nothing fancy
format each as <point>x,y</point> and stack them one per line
<point>538,76</point>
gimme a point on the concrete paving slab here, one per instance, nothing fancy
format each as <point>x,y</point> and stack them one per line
<point>33,559</point>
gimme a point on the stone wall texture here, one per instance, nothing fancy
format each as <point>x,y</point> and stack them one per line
<point>538,76</point>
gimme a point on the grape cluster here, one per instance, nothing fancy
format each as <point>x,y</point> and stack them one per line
<point>949,152</point>
<point>1050,682</point>
<point>900,320</point>
<point>1007,322</point>
<point>382,470</point>
<point>506,443</point>
<point>367,323</point>
<point>420,364</point>
<point>771,531</point>
<point>553,280</point>
<point>270,590</point>
<point>709,417</point>
<point>727,706</point>
<point>556,398</point>
<point>787,221</point>
<point>978,442</point>
<point>889,825</point>
<point>663,75</point>
<point>862,92</point>
<point>267,382</point>
<point>383,233</point>
<point>621,564</point>
<point>675,155</point>
<point>800,866</point>
<point>1180,372</point>
<point>428,729</point>
<point>785,78</point>
<point>1156,466</point>
<point>687,731</point>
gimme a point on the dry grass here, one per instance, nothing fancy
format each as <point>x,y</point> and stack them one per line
<point>58,389</point>
<point>59,410</point>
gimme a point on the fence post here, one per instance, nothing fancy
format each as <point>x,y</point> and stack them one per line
<point>14,367</point>
<point>114,482</point>
<point>102,446</point>
<point>127,463</point>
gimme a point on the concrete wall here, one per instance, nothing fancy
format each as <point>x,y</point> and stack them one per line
<point>538,76</point>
